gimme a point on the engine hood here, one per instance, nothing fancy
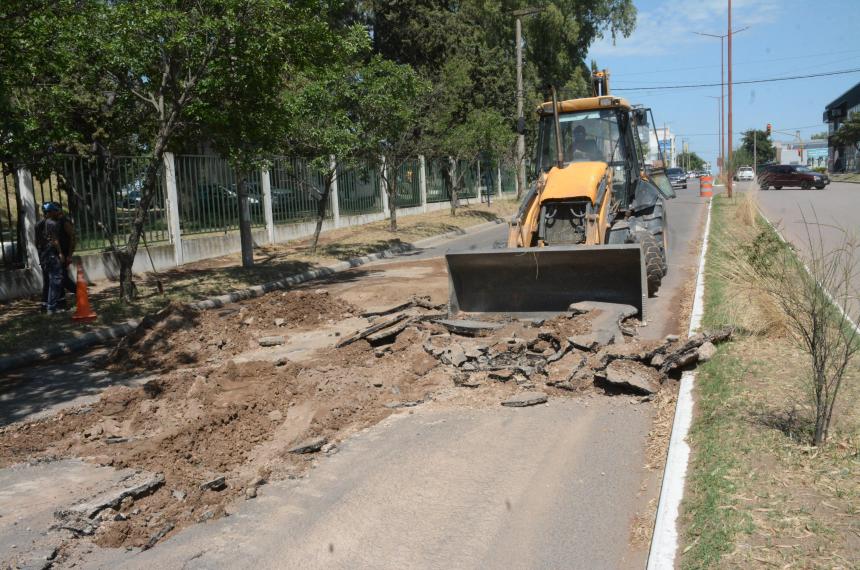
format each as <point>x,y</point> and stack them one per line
<point>576,180</point>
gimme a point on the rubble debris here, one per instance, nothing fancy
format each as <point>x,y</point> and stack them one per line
<point>706,352</point>
<point>395,405</point>
<point>468,327</point>
<point>370,330</point>
<point>309,446</point>
<point>525,399</point>
<point>217,484</point>
<point>422,302</point>
<point>630,376</point>
<point>279,322</point>
<point>158,535</point>
<point>592,341</point>
<point>138,485</point>
<point>271,341</point>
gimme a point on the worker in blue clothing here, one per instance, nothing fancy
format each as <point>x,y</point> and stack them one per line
<point>55,240</point>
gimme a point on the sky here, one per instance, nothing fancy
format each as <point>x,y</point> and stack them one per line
<point>785,38</point>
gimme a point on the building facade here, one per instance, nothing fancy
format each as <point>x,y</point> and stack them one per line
<point>842,158</point>
<point>662,139</point>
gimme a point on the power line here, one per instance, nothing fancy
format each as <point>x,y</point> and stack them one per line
<point>746,82</point>
<point>712,66</point>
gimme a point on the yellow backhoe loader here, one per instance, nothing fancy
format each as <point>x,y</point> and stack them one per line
<point>591,228</point>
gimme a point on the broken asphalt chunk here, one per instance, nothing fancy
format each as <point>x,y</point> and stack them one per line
<point>525,399</point>
<point>271,340</point>
<point>216,484</point>
<point>309,446</point>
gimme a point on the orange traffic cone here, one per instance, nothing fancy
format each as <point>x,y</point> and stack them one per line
<point>83,311</point>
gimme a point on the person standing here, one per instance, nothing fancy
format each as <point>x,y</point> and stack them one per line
<point>55,240</point>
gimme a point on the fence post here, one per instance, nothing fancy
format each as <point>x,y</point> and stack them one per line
<point>266,183</point>
<point>478,181</point>
<point>28,205</point>
<point>383,190</point>
<point>173,207</point>
<point>422,181</point>
<point>335,199</point>
<point>499,180</point>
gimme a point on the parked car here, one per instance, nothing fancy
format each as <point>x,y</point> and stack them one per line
<point>677,177</point>
<point>788,175</point>
<point>744,173</point>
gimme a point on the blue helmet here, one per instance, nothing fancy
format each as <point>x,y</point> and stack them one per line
<point>50,207</point>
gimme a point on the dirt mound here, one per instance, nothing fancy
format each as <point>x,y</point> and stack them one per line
<point>179,335</point>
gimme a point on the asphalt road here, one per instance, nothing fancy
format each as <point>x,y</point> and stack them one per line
<point>829,213</point>
<point>554,486</point>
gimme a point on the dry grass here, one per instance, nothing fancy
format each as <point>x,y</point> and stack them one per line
<point>759,495</point>
<point>748,308</point>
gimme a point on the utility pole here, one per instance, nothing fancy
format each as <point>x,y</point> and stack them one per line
<point>729,57</point>
<point>755,154</point>
<point>719,101</point>
<point>722,153</point>
<point>521,137</point>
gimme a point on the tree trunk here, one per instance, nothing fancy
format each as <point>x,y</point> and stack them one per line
<point>391,192</point>
<point>451,173</point>
<point>321,211</point>
<point>245,236</point>
<point>127,289</point>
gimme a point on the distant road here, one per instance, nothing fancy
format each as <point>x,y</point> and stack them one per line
<point>835,207</point>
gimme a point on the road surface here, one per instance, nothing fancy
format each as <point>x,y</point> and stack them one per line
<point>554,486</point>
<point>835,208</point>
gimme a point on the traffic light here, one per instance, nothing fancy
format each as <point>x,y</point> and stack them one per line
<point>768,129</point>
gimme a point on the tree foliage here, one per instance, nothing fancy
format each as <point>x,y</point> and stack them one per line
<point>757,140</point>
<point>849,132</point>
<point>690,160</point>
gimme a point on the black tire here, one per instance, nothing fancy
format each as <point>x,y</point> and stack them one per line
<point>764,187</point>
<point>654,263</point>
<point>805,185</point>
<point>778,187</point>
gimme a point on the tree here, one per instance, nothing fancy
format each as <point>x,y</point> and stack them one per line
<point>322,127</point>
<point>388,101</point>
<point>251,124</point>
<point>848,133</point>
<point>158,67</point>
<point>692,159</point>
<point>456,128</point>
<point>764,150</point>
<point>740,157</point>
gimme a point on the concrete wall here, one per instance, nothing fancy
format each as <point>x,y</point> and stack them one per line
<point>182,249</point>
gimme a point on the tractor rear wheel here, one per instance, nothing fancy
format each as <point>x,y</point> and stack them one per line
<point>654,262</point>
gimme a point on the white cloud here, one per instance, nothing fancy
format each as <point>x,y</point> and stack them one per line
<point>670,25</point>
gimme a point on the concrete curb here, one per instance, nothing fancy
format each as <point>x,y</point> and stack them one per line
<point>116,332</point>
<point>664,540</point>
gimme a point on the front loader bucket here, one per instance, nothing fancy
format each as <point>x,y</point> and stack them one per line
<point>546,279</point>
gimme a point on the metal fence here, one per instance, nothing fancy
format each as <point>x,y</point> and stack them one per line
<point>509,179</point>
<point>13,253</point>
<point>437,186</point>
<point>408,185</point>
<point>296,187</point>
<point>208,199</point>
<point>467,171</point>
<point>358,189</point>
<point>100,197</point>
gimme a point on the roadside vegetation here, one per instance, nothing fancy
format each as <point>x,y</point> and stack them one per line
<point>759,493</point>
<point>23,327</point>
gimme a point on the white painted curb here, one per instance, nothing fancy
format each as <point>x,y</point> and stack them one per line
<point>664,541</point>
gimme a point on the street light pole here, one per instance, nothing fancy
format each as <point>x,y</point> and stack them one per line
<point>729,57</point>
<point>722,153</point>
<point>719,101</point>
<point>521,137</point>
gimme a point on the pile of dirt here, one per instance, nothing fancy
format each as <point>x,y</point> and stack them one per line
<point>179,335</point>
<point>217,425</point>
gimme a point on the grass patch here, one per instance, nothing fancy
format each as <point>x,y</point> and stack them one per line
<point>758,495</point>
<point>23,327</point>
<point>847,177</point>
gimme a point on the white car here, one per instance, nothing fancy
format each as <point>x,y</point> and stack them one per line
<point>744,173</point>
